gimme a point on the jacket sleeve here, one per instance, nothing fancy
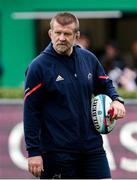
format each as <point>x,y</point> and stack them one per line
<point>32,110</point>
<point>103,84</point>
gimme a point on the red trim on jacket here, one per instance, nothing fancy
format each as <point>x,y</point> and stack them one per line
<point>103,77</point>
<point>32,90</point>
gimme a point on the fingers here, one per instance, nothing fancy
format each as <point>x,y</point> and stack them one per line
<point>35,165</point>
<point>35,170</point>
<point>120,113</point>
<point>118,110</point>
<point>111,112</point>
<point>42,168</point>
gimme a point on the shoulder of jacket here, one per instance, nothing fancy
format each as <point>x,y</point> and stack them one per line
<point>89,56</point>
<point>40,61</point>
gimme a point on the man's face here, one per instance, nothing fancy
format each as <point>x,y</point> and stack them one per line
<point>63,37</point>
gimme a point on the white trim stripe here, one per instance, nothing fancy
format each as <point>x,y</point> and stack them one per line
<point>79,14</point>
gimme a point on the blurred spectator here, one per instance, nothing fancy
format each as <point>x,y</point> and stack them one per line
<point>134,54</point>
<point>128,79</point>
<point>112,58</point>
<point>84,41</point>
<point>131,57</point>
<point>113,61</point>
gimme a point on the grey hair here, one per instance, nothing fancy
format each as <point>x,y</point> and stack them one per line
<point>65,18</point>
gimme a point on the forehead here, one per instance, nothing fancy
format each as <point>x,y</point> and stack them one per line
<point>59,27</point>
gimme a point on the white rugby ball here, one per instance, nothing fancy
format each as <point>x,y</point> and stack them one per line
<point>102,120</point>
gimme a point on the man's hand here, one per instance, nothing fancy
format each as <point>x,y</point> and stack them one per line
<point>35,165</point>
<point>118,110</point>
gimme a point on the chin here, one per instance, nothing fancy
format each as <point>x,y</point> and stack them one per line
<point>62,50</point>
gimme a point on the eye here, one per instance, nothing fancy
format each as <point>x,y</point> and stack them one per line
<point>67,34</point>
<point>57,32</point>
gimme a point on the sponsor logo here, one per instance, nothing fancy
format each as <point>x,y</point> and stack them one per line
<point>99,112</point>
<point>59,78</point>
<point>89,76</point>
<point>94,113</point>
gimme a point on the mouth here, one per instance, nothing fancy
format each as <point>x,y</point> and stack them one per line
<point>62,44</point>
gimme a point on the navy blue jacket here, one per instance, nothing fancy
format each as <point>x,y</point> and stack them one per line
<point>58,91</point>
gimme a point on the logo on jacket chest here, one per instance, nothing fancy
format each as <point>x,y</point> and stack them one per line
<point>89,76</point>
<point>59,78</point>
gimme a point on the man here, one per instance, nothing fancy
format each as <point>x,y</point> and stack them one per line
<point>61,139</point>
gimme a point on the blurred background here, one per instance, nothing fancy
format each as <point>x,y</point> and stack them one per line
<point>108,29</point>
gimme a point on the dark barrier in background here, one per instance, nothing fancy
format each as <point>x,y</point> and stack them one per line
<point>120,144</point>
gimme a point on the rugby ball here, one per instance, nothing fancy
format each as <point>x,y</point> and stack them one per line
<point>102,114</point>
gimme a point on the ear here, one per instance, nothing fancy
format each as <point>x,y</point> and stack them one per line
<point>49,32</point>
<point>77,35</point>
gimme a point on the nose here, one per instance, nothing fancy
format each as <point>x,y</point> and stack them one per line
<point>62,37</point>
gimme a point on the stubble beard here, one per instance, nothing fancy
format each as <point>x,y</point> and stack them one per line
<point>62,48</point>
